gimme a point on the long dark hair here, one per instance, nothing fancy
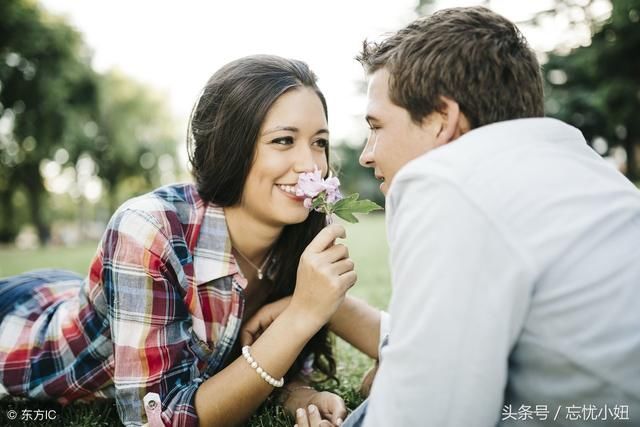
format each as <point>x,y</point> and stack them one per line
<point>223,130</point>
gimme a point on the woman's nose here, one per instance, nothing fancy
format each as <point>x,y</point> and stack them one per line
<point>304,161</point>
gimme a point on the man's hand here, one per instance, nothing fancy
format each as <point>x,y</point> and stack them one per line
<point>310,417</point>
<point>330,406</point>
<point>325,409</point>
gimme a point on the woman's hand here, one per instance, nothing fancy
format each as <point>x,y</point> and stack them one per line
<point>322,408</point>
<point>260,321</point>
<point>325,273</point>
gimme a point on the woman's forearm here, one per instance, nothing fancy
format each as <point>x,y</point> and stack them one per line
<point>231,396</point>
<point>358,323</point>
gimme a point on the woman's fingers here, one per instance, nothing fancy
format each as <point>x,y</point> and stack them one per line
<point>336,252</point>
<point>249,331</point>
<point>343,266</point>
<point>348,279</point>
<point>326,237</point>
<point>259,322</point>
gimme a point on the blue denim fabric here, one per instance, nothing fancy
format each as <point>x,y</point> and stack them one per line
<point>356,418</point>
<point>15,290</point>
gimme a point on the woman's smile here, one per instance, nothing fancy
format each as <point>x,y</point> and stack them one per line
<point>289,191</point>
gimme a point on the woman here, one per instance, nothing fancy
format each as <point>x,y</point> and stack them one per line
<point>155,324</point>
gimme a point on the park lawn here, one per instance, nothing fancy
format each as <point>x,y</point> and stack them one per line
<point>367,247</point>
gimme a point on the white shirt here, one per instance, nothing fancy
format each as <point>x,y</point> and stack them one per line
<point>515,260</point>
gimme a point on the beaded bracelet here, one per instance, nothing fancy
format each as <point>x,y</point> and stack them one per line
<point>263,374</point>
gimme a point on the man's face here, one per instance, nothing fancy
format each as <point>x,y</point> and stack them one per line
<point>394,139</point>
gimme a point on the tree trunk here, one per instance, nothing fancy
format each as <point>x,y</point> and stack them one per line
<point>8,231</point>
<point>35,195</point>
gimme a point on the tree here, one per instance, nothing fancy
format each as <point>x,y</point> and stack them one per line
<point>597,87</point>
<point>134,131</point>
<point>46,88</point>
<point>54,106</point>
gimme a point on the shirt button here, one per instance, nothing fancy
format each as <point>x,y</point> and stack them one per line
<point>152,404</point>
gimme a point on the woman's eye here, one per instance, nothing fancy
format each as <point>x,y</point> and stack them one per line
<point>287,140</point>
<point>322,143</point>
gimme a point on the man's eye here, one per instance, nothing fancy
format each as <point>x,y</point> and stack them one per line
<point>322,143</point>
<point>287,140</point>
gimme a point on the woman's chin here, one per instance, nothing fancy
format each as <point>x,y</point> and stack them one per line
<point>295,216</point>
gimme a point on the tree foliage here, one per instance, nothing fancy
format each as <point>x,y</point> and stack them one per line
<point>47,89</point>
<point>597,87</point>
<point>54,107</point>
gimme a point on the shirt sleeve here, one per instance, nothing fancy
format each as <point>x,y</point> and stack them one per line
<point>385,326</point>
<point>460,293</point>
<point>149,324</point>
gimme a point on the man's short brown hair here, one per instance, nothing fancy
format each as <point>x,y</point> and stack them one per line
<point>471,55</point>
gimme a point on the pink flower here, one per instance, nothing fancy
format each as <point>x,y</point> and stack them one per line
<point>332,187</point>
<point>327,198</point>
<point>310,184</point>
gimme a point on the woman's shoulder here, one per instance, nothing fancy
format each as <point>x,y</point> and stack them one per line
<point>168,206</point>
<point>171,197</point>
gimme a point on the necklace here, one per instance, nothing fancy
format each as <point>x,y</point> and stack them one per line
<point>260,269</point>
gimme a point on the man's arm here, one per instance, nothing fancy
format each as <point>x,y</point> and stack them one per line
<point>358,323</point>
<point>460,293</point>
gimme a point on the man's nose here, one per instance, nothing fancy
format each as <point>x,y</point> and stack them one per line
<point>367,159</point>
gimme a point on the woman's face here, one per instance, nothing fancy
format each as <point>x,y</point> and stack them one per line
<point>293,139</point>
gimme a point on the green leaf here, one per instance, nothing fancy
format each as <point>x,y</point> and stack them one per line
<point>346,207</point>
<point>347,216</point>
<point>342,202</point>
<point>358,206</point>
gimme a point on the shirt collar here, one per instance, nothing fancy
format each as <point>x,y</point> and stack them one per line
<point>212,257</point>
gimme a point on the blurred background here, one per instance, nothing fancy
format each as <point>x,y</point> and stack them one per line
<point>95,95</point>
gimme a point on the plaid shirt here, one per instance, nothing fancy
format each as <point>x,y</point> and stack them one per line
<point>158,314</point>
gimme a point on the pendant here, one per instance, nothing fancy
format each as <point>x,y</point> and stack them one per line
<point>259,274</point>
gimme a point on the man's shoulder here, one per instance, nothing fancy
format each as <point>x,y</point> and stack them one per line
<point>494,154</point>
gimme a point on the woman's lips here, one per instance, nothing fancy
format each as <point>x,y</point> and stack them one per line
<point>291,195</point>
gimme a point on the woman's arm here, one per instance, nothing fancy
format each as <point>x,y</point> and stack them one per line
<point>324,276</point>
<point>152,351</point>
<point>355,321</point>
<point>233,394</point>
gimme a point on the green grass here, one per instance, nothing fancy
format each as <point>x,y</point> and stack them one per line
<point>367,247</point>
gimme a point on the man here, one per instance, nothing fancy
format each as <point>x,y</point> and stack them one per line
<point>515,249</point>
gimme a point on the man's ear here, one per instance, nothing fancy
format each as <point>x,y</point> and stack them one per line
<point>453,122</point>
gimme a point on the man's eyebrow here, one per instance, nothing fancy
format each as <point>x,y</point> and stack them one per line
<point>292,129</point>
